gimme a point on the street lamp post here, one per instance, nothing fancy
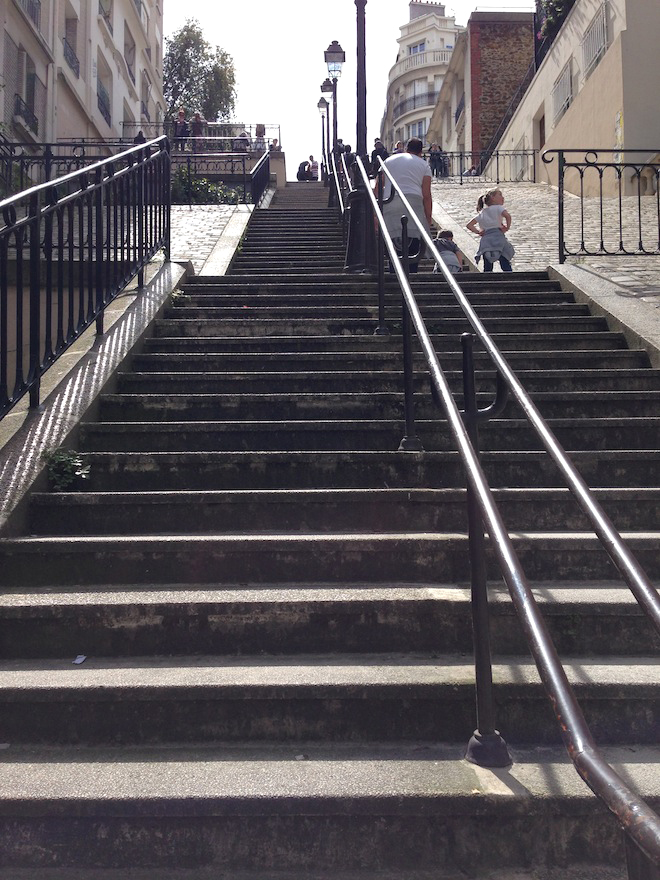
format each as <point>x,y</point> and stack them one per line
<point>361,82</point>
<point>326,88</point>
<point>360,250</point>
<point>323,110</point>
<point>334,58</point>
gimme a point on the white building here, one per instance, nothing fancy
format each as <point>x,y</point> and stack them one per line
<point>74,69</point>
<point>414,82</point>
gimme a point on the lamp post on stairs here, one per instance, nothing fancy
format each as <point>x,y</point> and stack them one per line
<point>360,250</point>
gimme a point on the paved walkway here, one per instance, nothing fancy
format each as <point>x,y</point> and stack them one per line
<point>534,212</point>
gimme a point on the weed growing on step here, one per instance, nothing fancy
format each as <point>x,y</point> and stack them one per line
<point>66,469</point>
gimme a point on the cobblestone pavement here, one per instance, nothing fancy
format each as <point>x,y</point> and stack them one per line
<point>196,230</point>
<point>533,209</point>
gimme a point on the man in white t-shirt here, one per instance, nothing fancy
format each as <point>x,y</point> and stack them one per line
<point>412,175</point>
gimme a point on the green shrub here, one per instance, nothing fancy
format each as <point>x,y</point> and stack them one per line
<point>202,190</point>
<point>66,469</point>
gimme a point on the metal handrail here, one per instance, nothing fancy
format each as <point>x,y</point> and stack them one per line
<point>68,247</point>
<point>639,821</point>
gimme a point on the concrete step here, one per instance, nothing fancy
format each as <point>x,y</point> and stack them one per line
<point>376,381</point>
<point>312,511</point>
<point>186,471</point>
<point>299,698</point>
<point>288,294</point>
<point>280,813</point>
<point>404,557</point>
<point>376,404</point>
<point>430,311</point>
<point>584,620</point>
<point>291,354</point>
<point>354,434</point>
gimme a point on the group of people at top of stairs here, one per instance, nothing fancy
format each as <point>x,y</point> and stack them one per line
<point>412,173</point>
<point>195,134</point>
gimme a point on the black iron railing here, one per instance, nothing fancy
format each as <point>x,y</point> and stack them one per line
<point>26,164</point>
<point>427,99</point>
<point>460,107</point>
<point>498,166</point>
<point>237,171</point>
<point>70,57</point>
<point>617,209</point>
<point>26,113</point>
<point>67,248</point>
<point>103,101</point>
<point>641,825</point>
<point>33,10</point>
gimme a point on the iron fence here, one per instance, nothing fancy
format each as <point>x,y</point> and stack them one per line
<point>238,171</point>
<point>607,207</point>
<point>67,248</point>
<point>498,166</point>
<point>27,164</point>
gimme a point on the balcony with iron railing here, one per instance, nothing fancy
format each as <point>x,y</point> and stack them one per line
<point>70,57</point>
<point>105,12</point>
<point>25,112</point>
<point>430,58</point>
<point>103,100</point>
<point>427,99</point>
<point>32,9</point>
<point>460,107</point>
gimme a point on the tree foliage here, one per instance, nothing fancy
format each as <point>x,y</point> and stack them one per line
<point>553,13</point>
<point>197,76</point>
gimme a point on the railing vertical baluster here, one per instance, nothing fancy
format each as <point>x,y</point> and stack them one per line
<point>410,442</point>
<point>98,252</point>
<point>560,189</point>
<point>381,329</point>
<point>486,746</point>
<point>33,376</point>
<point>140,207</point>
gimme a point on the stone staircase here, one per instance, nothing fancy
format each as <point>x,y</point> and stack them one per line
<point>273,602</point>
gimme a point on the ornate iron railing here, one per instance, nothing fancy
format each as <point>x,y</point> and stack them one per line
<point>70,57</point>
<point>460,107</point>
<point>640,824</point>
<point>33,10</point>
<point>234,170</point>
<point>499,166</point>
<point>25,112</point>
<point>67,249</point>
<point>103,101</point>
<point>617,209</point>
<point>427,99</point>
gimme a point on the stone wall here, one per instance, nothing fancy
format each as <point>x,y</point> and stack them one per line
<point>501,51</point>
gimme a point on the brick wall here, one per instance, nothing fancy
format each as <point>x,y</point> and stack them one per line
<point>500,55</point>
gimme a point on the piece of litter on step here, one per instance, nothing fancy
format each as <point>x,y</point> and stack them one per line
<point>80,659</point>
<point>301,757</point>
<point>4,745</point>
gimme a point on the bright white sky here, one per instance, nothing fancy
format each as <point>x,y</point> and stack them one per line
<point>278,57</point>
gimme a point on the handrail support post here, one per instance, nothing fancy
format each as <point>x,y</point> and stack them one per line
<point>410,441</point>
<point>486,747</point>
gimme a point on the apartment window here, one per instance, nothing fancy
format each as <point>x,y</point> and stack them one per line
<point>594,43</point>
<point>70,43</point>
<point>417,48</point>
<point>562,93</point>
<point>129,53</point>
<point>105,11</point>
<point>417,129</point>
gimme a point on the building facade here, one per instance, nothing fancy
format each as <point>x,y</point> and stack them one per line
<point>595,89</point>
<point>490,59</point>
<point>425,48</point>
<point>74,69</point>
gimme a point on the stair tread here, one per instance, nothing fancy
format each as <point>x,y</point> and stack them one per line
<point>304,777</point>
<point>52,599</point>
<point>306,675</point>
